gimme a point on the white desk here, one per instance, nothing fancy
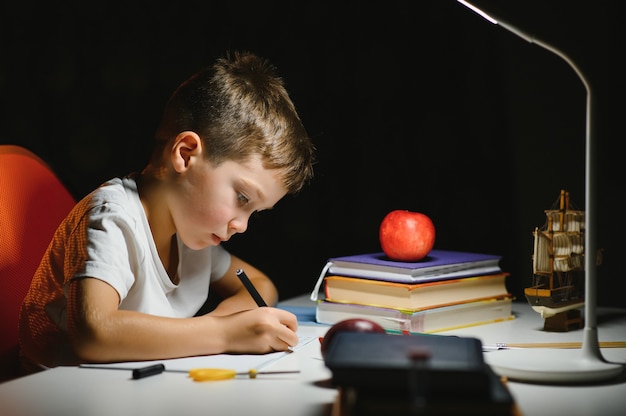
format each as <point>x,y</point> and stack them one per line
<point>70,391</point>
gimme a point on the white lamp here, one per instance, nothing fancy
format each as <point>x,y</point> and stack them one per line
<point>558,365</point>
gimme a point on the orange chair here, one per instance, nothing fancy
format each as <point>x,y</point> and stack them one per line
<point>33,202</point>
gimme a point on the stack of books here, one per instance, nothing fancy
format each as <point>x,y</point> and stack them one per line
<point>444,291</point>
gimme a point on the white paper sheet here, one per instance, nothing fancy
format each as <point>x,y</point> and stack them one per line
<point>237,362</point>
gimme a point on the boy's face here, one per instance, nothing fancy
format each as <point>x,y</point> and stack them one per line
<point>211,203</point>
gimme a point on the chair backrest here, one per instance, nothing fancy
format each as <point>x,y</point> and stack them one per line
<point>33,202</point>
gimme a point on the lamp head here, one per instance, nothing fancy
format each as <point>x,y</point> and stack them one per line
<point>478,11</point>
<point>498,21</point>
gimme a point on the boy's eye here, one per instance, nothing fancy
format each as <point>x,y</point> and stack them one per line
<point>242,199</point>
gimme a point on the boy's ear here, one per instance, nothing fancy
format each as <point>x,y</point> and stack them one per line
<point>186,147</point>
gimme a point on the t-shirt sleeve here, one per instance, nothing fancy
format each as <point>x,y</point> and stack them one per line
<point>101,246</point>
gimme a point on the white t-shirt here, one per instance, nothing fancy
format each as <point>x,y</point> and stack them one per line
<point>107,236</point>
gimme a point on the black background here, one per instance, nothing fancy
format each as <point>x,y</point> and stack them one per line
<point>422,106</point>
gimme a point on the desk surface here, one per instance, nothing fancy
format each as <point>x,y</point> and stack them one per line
<point>72,391</point>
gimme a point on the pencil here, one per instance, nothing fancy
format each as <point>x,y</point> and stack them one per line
<point>566,345</point>
<point>250,288</point>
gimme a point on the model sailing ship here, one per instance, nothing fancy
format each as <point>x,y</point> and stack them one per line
<point>557,290</point>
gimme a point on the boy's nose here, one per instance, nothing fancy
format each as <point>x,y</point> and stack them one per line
<point>238,225</point>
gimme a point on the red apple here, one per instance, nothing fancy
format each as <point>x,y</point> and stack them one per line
<point>349,325</point>
<point>406,235</point>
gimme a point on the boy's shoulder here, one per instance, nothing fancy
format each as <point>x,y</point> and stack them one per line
<point>119,193</point>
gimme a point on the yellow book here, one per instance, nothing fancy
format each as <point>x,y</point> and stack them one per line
<point>414,297</point>
<point>429,320</point>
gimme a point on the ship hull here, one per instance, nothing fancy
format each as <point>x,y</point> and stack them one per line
<point>551,302</point>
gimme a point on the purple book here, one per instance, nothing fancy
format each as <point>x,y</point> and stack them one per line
<point>438,265</point>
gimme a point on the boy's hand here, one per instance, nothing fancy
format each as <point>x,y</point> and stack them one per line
<point>259,331</point>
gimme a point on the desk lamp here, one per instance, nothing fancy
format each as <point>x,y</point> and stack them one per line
<point>558,365</point>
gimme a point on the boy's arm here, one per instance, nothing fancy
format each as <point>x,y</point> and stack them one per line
<point>100,332</point>
<point>235,296</point>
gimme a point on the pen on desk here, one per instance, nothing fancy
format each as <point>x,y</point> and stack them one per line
<point>148,371</point>
<point>198,374</point>
<point>250,288</point>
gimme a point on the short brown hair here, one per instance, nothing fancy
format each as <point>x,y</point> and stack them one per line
<point>239,107</point>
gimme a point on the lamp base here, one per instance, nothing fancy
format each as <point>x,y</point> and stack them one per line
<point>543,365</point>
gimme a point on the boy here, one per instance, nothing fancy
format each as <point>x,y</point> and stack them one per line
<point>134,261</point>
